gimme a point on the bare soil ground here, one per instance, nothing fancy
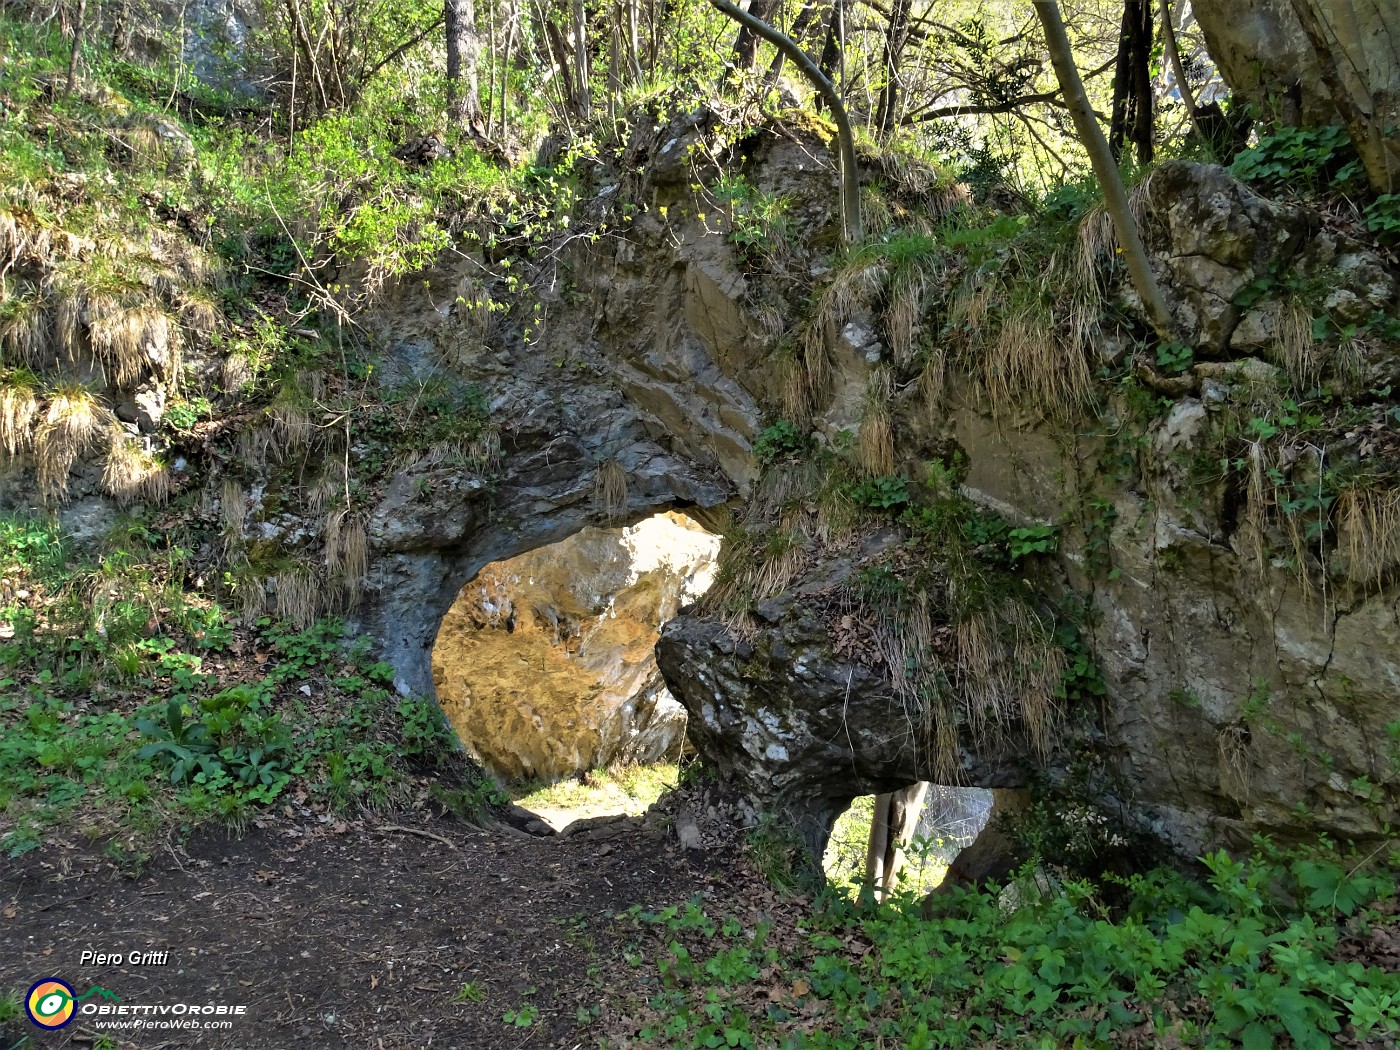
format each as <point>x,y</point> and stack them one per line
<point>339,934</point>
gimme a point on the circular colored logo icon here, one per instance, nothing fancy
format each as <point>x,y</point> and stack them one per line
<point>50,1003</point>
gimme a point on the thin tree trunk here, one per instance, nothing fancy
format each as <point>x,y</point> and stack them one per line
<point>1164,13</point>
<point>801,26</point>
<point>463,61</point>
<point>308,53</point>
<point>892,825</point>
<point>1132,84</point>
<point>1115,196</point>
<point>851,227</point>
<point>77,46</point>
<point>888,109</point>
<point>746,42</point>
<point>584,99</point>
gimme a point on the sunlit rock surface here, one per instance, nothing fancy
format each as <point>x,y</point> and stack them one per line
<point>544,664</point>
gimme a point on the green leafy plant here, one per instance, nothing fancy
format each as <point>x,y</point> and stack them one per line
<point>883,493</point>
<point>783,438</point>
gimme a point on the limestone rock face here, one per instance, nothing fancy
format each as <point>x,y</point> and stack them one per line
<point>1264,55</point>
<point>545,662</point>
<point>1222,252</point>
<point>1237,700</point>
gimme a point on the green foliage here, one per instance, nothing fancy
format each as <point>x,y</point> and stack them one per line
<point>1252,957</point>
<point>1032,539</point>
<point>883,493</point>
<point>1383,217</point>
<point>105,712</point>
<point>1298,158</point>
<point>779,855</point>
<point>757,219</point>
<point>9,1006</point>
<point>783,438</point>
<point>1175,357</point>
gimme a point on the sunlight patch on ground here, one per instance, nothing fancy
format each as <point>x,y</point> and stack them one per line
<point>626,789</point>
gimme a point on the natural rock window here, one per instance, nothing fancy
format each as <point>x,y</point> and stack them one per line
<point>950,821</point>
<point>545,664</point>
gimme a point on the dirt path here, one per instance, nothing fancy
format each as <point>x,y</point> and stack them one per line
<point>345,935</point>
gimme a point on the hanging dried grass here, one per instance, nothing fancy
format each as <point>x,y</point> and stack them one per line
<point>25,335</point>
<point>347,548</point>
<point>233,508</point>
<point>875,444</point>
<point>1368,532</point>
<point>130,342</point>
<point>298,597</point>
<point>19,406</point>
<point>72,425</point>
<point>130,473</point>
<point>610,488</point>
<point>1297,350</point>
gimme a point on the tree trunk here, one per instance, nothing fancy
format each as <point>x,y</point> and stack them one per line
<point>1183,87</point>
<point>746,43</point>
<point>892,825</point>
<point>887,114</point>
<point>851,227</point>
<point>583,98</point>
<point>1264,53</point>
<point>1115,196</point>
<point>463,60</point>
<point>1381,161</point>
<point>77,45</point>
<point>1132,84</point>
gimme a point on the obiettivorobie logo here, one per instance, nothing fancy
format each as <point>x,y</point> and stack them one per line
<point>51,1003</point>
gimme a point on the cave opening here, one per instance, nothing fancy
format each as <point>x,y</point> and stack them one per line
<point>545,666</point>
<point>949,821</point>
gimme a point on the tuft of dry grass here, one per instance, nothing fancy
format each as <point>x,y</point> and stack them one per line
<point>347,548</point>
<point>233,508</point>
<point>1368,532</point>
<point>130,341</point>
<point>1028,361</point>
<point>144,146</point>
<point>25,335</point>
<point>966,657</point>
<point>875,445</point>
<point>72,425</point>
<point>1297,350</point>
<point>1233,744</point>
<point>292,428</point>
<point>12,239</point>
<point>19,406</point>
<point>130,473</point>
<point>610,488</point>
<point>933,378</point>
<point>199,312</point>
<point>299,595</point>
